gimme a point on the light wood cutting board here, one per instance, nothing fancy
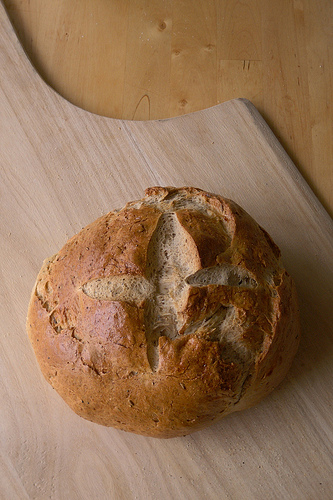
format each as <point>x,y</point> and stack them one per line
<point>62,167</point>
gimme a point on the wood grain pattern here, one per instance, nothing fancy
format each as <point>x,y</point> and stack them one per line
<point>62,167</point>
<point>146,60</point>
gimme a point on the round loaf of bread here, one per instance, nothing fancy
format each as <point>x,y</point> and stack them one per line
<point>165,316</point>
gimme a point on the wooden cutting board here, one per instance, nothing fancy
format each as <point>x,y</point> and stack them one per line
<point>62,167</point>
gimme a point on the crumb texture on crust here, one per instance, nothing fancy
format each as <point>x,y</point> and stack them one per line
<point>166,315</point>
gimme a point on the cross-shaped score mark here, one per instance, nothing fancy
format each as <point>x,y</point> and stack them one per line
<point>173,266</point>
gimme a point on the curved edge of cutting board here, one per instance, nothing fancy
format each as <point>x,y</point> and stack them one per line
<point>27,87</point>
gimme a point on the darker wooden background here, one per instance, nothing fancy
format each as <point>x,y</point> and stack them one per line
<point>151,59</point>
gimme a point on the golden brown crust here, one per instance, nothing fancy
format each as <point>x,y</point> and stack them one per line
<point>211,328</point>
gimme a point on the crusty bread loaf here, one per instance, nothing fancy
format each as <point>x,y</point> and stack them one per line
<point>165,316</point>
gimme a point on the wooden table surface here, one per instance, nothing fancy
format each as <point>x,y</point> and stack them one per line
<point>142,60</point>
